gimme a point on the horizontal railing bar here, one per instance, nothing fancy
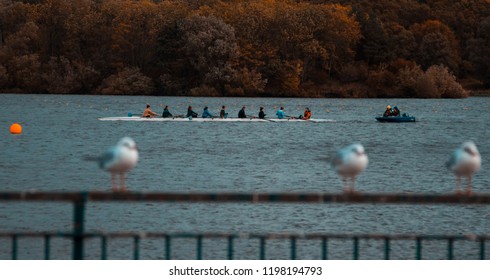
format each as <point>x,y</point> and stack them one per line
<point>142,235</point>
<point>405,198</point>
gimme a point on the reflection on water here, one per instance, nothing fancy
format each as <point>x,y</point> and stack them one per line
<point>58,131</point>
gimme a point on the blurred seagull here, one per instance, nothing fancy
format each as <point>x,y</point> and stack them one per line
<point>119,159</point>
<point>464,161</point>
<point>349,162</point>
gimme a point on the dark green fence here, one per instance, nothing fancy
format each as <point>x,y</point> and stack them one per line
<point>80,199</point>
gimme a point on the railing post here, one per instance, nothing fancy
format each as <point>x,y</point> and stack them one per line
<point>324,248</point>
<point>136,248</point>
<point>450,248</point>
<point>78,226</point>
<point>482,249</point>
<point>14,247</point>
<point>387,248</point>
<point>293,248</point>
<point>356,248</point>
<point>418,254</point>
<point>262,248</point>
<point>199,247</point>
<point>168,253</point>
<point>103,254</point>
<point>230,247</point>
<point>47,239</point>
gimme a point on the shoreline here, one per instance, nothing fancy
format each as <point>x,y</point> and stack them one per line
<point>477,93</point>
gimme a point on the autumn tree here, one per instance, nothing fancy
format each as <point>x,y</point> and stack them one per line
<point>436,82</point>
<point>13,15</point>
<point>401,41</point>
<point>253,23</point>
<point>64,76</point>
<point>445,82</point>
<point>375,47</point>
<point>134,31</point>
<point>291,43</point>
<point>128,81</point>
<point>408,81</point>
<point>51,17</point>
<point>209,47</point>
<point>382,81</point>
<point>437,45</point>
<point>20,57</point>
<point>478,50</point>
<point>61,77</point>
<point>87,41</point>
<point>4,76</point>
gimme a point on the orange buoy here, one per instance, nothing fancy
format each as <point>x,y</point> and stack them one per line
<point>16,128</point>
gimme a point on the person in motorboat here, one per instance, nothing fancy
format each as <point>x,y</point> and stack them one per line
<point>262,113</point>
<point>387,112</point>
<point>241,113</point>
<point>206,113</point>
<point>148,113</point>
<point>191,113</point>
<point>396,112</point>
<point>306,114</point>
<point>280,113</point>
<point>166,113</point>
<point>223,114</point>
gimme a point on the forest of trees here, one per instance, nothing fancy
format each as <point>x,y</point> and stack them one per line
<point>283,48</point>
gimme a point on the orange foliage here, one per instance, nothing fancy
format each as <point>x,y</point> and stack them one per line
<point>244,48</point>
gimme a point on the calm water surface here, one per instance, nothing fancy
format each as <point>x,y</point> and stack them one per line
<point>58,131</point>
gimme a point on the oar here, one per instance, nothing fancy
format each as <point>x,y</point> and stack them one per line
<point>131,115</point>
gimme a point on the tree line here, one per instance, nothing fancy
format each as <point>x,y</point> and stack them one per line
<point>280,48</point>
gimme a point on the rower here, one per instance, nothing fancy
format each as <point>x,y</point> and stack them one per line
<point>190,113</point>
<point>166,113</point>
<point>262,113</point>
<point>306,114</point>
<point>241,113</point>
<point>280,113</point>
<point>222,113</point>
<point>148,113</point>
<point>206,113</point>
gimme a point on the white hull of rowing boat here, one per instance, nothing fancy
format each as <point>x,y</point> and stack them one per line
<point>140,119</point>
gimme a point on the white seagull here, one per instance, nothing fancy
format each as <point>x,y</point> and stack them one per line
<point>119,160</point>
<point>464,161</point>
<point>349,162</point>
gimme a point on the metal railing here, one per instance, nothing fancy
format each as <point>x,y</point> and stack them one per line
<point>80,199</point>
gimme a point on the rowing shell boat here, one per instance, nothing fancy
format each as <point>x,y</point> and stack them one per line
<point>141,119</point>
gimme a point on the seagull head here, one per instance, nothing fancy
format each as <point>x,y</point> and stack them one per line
<point>128,143</point>
<point>358,149</point>
<point>470,148</point>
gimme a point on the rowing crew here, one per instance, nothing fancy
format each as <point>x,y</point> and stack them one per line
<point>148,113</point>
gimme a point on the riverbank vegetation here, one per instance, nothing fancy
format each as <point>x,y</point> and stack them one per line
<point>283,48</point>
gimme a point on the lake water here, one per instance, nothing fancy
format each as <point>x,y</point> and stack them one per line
<point>58,131</point>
